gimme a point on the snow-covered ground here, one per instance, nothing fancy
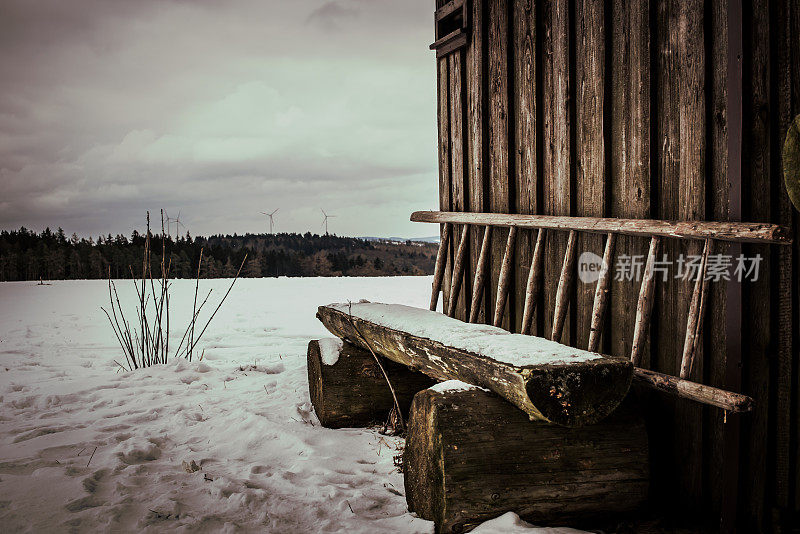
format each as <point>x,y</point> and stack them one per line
<point>86,447</point>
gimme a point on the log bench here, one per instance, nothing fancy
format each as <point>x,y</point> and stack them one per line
<point>546,380</point>
<point>537,429</point>
<point>348,389</point>
<point>470,456</point>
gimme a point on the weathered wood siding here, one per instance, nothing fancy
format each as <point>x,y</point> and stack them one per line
<point>620,109</point>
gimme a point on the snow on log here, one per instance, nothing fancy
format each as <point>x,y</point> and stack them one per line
<point>547,380</point>
<point>352,391</point>
<point>471,456</point>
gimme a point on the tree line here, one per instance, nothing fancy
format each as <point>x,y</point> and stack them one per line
<point>49,255</point>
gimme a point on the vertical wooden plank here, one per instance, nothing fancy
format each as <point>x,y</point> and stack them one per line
<point>630,153</point>
<point>524,45</point>
<point>556,142</point>
<point>715,335</point>
<point>782,19</point>
<point>681,196</point>
<point>476,132</point>
<point>460,187</point>
<point>733,290</point>
<point>443,112</point>
<point>756,206</point>
<point>499,176</point>
<point>795,38</point>
<point>590,175</point>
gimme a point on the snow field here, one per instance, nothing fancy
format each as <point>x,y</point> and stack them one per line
<point>85,447</point>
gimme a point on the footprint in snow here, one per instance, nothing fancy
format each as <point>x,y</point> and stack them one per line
<point>138,451</point>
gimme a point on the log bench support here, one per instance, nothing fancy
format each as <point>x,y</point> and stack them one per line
<point>471,456</point>
<point>352,393</point>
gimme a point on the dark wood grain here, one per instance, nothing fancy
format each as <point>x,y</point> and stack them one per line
<point>471,456</point>
<point>445,182</point>
<point>630,152</point>
<point>590,150</point>
<point>681,134</point>
<point>781,35</point>
<point>556,142</point>
<point>757,486</point>
<point>714,421</point>
<point>460,300</point>
<point>795,51</point>
<point>525,139</point>
<point>353,391</point>
<point>499,127</point>
<point>477,120</point>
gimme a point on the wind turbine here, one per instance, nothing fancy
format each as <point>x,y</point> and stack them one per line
<point>169,220</point>
<point>271,221</point>
<point>178,223</point>
<point>176,220</point>
<point>325,220</point>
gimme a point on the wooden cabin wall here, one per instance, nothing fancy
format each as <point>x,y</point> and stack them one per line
<point>619,109</point>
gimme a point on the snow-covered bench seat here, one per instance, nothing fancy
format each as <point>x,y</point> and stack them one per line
<point>547,380</point>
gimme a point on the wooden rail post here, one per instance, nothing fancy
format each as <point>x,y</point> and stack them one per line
<point>601,294</point>
<point>534,285</point>
<point>505,277</point>
<point>458,271</point>
<point>696,309</point>
<point>480,275</point>
<point>738,232</point>
<point>438,273</point>
<point>644,308</point>
<point>564,285</point>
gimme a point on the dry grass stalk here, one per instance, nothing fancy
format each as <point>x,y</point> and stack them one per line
<point>394,422</point>
<point>146,343</point>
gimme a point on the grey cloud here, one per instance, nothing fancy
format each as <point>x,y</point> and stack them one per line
<point>330,14</point>
<point>108,108</point>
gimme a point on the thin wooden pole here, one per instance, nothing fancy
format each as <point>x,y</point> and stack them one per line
<point>742,232</point>
<point>564,285</point>
<point>458,271</point>
<point>696,309</point>
<point>438,272</point>
<point>534,286</point>
<point>601,294</point>
<point>480,275</point>
<point>727,400</point>
<point>645,305</point>
<point>505,277</point>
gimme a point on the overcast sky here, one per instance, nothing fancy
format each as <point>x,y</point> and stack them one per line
<point>221,109</point>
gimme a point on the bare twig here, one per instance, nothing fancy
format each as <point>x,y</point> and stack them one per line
<point>147,343</point>
<point>221,301</point>
<point>399,413</point>
<point>90,457</point>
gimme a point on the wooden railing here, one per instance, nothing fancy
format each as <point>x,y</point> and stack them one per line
<point>656,230</point>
